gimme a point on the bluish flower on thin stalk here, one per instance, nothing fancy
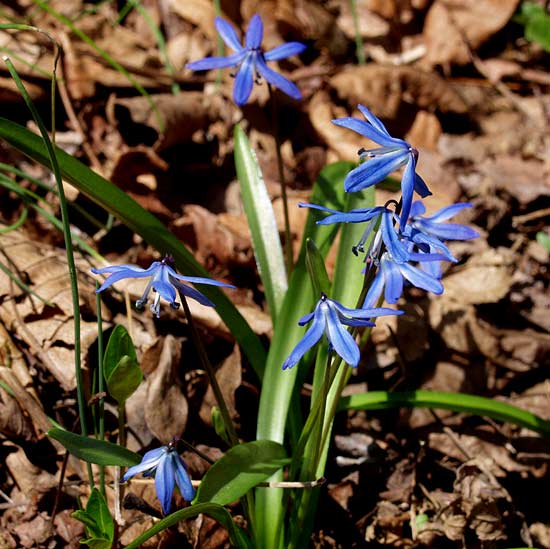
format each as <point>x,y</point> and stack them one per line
<point>250,60</point>
<point>169,470</point>
<point>165,282</point>
<point>330,318</point>
<point>381,162</point>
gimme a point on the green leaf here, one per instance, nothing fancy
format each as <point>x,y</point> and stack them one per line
<point>236,536</point>
<point>240,469</point>
<point>120,366</point>
<point>544,240</point>
<point>88,521</point>
<point>97,543</point>
<point>537,24</point>
<point>95,451</point>
<point>315,264</point>
<point>142,222</point>
<point>97,508</point>
<point>261,220</point>
<point>457,402</point>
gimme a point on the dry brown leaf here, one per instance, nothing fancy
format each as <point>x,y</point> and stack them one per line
<point>166,406</point>
<point>386,90</point>
<point>198,12</point>
<point>450,22</point>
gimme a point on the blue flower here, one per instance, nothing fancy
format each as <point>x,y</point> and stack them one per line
<point>331,317</point>
<point>393,154</point>
<point>164,281</point>
<point>250,60</point>
<point>169,470</point>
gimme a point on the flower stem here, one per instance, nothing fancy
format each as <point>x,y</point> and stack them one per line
<point>229,427</point>
<point>359,49</point>
<point>100,384</point>
<point>289,255</point>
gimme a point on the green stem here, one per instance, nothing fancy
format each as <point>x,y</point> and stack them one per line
<point>69,252</point>
<point>289,255</point>
<point>101,383</point>
<point>220,45</point>
<point>359,48</point>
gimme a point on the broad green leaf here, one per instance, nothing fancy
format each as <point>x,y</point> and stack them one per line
<point>236,536</point>
<point>142,222</point>
<point>120,344</point>
<point>261,220</point>
<point>95,451</point>
<point>315,264</point>
<point>273,416</point>
<point>97,508</point>
<point>97,543</point>
<point>457,402</point>
<point>89,522</point>
<point>240,469</point>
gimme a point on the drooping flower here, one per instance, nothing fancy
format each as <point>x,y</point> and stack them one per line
<point>331,317</point>
<point>164,282</point>
<point>250,60</point>
<point>379,163</point>
<point>169,470</point>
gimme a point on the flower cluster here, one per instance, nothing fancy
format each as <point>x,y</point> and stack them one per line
<point>250,60</point>
<point>404,246</point>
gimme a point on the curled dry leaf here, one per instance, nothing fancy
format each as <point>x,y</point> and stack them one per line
<point>453,26</point>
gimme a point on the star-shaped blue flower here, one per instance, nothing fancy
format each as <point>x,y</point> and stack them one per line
<point>169,470</point>
<point>164,281</point>
<point>331,317</point>
<point>250,60</point>
<point>379,163</point>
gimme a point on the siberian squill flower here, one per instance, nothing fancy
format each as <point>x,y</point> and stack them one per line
<point>169,470</point>
<point>381,162</point>
<point>427,233</point>
<point>250,60</point>
<point>164,282</point>
<point>331,317</point>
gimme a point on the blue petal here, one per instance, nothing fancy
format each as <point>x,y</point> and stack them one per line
<point>306,319</point>
<point>200,280</point>
<point>420,279</point>
<point>244,80</point>
<point>163,285</point>
<point>448,212</point>
<point>363,312</point>
<point>187,291</point>
<point>311,337</point>
<point>216,62</point>
<point>394,281</point>
<point>433,268</point>
<point>391,240</point>
<point>358,215</point>
<point>374,170</point>
<point>357,322</point>
<point>375,290</point>
<point>254,33</point>
<point>407,189</point>
<point>417,208</point>
<point>149,461</point>
<point>284,50</point>
<point>120,272</point>
<point>420,186</point>
<point>277,80</point>
<point>164,482</point>
<point>449,231</point>
<point>228,34</point>
<point>375,121</point>
<point>368,130</point>
<point>182,478</point>
<point>340,338</point>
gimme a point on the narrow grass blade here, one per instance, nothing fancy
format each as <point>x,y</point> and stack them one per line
<point>261,220</point>
<point>457,402</point>
<point>127,210</point>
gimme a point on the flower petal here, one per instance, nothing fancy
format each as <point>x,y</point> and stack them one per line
<point>396,248</point>
<point>449,231</point>
<point>311,337</point>
<point>244,80</point>
<point>284,50</point>
<point>368,130</point>
<point>448,212</point>
<point>162,284</point>
<point>188,291</point>
<point>340,338</point>
<point>375,290</point>
<point>149,461</point>
<point>164,482</point>
<point>407,189</point>
<point>182,478</point>
<point>375,121</point>
<point>254,33</point>
<point>420,186</point>
<point>394,281</point>
<point>120,272</point>
<point>417,208</point>
<point>228,34</point>
<point>420,279</point>
<point>374,170</point>
<point>200,280</point>
<point>277,80</point>
<point>216,62</point>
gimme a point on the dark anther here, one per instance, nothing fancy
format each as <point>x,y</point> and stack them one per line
<point>174,305</point>
<point>361,151</point>
<point>169,260</point>
<point>140,305</point>
<point>323,296</point>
